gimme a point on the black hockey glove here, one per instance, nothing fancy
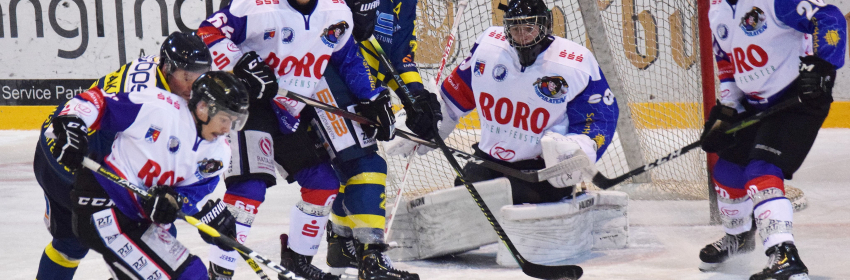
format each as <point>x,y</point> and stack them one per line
<point>423,124</point>
<point>714,138</point>
<point>364,13</point>
<point>257,76</point>
<point>216,215</point>
<point>72,142</point>
<point>379,111</point>
<point>163,205</point>
<point>817,76</point>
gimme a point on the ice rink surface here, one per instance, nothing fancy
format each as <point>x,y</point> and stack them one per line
<point>665,236</point>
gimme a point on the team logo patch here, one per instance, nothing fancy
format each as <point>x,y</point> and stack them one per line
<point>209,166</point>
<point>502,153</point>
<point>754,22</point>
<point>153,134</point>
<point>173,144</point>
<point>722,31</point>
<point>269,34</point>
<point>479,68</point>
<point>551,89</point>
<point>500,72</point>
<point>266,146</point>
<point>333,33</point>
<point>286,35</point>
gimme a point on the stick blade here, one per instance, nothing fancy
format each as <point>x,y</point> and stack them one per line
<point>552,272</point>
<point>602,182</point>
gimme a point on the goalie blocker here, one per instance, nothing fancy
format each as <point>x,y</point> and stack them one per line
<point>446,222</point>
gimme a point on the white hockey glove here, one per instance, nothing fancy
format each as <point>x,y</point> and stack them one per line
<point>558,148</point>
<point>401,146</point>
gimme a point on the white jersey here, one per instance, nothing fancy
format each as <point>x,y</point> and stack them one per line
<point>157,141</point>
<point>297,47</point>
<point>757,44</point>
<point>517,106</point>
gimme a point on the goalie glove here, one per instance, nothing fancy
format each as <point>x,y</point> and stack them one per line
<point>557,148</point>
<point>71,141</point>
<point>216,215</point>
<point>256,75</point>
<point>379,111</point>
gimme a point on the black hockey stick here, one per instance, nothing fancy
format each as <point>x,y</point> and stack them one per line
<point>242,249</point>
<point>530,269</point>
<point>604,182</point>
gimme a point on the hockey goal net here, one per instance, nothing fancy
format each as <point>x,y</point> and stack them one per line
<point>654,48</point>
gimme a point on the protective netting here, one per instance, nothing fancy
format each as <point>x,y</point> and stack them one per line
<point>655,49</point>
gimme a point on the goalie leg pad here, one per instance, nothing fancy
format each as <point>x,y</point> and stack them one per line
<point>773,211</point>
<point>553,232</point>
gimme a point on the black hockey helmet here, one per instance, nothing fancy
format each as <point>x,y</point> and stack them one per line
<point>223,93</point>
<point>528,18</point>
<point>185,51</point>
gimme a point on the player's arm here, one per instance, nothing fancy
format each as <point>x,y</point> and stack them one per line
<point>825,22</point>
<point>592,113</point>
<point>729,106</point>
<point>403,49</point>
<point>222,32</point>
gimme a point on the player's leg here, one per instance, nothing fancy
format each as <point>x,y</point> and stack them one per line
<point>781,145</point>
<point>132,249</point>
<point>735,214</point>
<point>63,254</point>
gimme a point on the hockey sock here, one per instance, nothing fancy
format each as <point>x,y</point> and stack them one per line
<point>732,199</point>
<point>773,212</point>
<point>243,200</point>
<point>307,227</point>
<point>60,263</point>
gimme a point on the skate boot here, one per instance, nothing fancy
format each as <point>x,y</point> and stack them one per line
<point>341,253</point>
<point>374,265</point>
<point>730,245</point>
<point>783,264</point>
<point>219,273</point>
<point>300,264</point>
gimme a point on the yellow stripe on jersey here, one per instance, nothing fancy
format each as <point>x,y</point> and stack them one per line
<point>376,178</point>
<point>360,221</point>
<point>60,258</point>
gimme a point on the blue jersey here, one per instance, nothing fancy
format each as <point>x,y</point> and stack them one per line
<point>395,30</point>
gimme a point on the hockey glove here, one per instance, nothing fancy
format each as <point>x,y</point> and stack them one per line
<point>364,13</point>
<point>714,138</point>
<point>257,76</point>
<point>379,111</point>
<point>72,142</point>
<point>557,148</point>
<point>423,124</point>
<point>163,205</point>
<point>817,76</point>
<point>216,215</point>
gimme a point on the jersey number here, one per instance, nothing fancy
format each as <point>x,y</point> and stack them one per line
<point>805,7</point>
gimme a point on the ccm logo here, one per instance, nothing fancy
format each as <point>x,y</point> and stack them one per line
<point>306,66</point>
<point>105,202</point>
<point>506,111</point>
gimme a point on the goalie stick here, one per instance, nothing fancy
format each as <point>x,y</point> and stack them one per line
<point>242,249</point>
<point>529,268</point>
<point>578,161</point>
<point>604,182</point>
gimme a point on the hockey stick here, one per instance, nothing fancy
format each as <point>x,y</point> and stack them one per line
<point>242,249</point>
<point>530,269</point>
<point>604,182</point>
<point>254,266</point>
<point>533,176</point>
<point>461,6</point>
<point>401,186</point>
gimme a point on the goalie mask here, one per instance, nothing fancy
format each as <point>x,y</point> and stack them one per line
<point>528,26</point>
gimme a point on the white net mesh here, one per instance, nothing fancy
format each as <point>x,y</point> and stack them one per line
<point>655,49</point>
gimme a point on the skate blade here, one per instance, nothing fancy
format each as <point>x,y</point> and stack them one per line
<point>801,276</point>
<point>708,267</point>
<point>344,272</point>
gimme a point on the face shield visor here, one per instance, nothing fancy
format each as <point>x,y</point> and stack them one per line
<point>526,31</point>
<point>220,116</point>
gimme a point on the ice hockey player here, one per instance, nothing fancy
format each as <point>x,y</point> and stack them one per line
<point>767,52</point>
<point>541,98</point>
<point>173,148</point>
<point>297,41</point>
<point>358,215</point>
<point>182,59</point>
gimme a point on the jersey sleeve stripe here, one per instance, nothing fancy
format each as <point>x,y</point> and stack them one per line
<point>456,88</point>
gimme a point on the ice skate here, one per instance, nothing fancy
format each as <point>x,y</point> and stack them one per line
<point>730,245</point>
<point>784,264</point>
<point>341,253</point>
<point>220,273</point>
<point>375,265</point>
<point>300,264</point>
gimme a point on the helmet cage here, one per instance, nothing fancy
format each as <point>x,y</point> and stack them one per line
<point>521,24</point>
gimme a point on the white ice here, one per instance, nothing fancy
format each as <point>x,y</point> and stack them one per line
<point>665,236</point>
